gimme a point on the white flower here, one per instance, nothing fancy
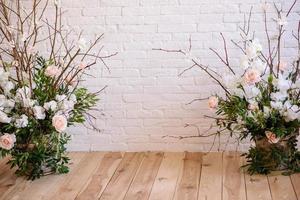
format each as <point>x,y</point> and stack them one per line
<point>4,118</point>
<point>238,92</point>
<point>82,44</point>
<point>244,62</point>
<point>258,65</point>
<point>3,75</point>
<point>7,87</point>
<point>21,122</point>
<point>51,105</point>
<point>73,98</point>
<point>282,83</point>
<point>281,21</point>
<point>279,96</point>
<point>251,91</point>
<point>39,112</point>
<point>23,93</point>
<point>60,98</point>
<point>253,49</point>
<point>59,122</point>
<point>67,105</point>
<point>231,81</point>
<point>278,105</point>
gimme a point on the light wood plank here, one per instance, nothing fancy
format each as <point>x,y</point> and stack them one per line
<point>233,177</point>
<point>166,179</point>
<point>121,180</point>
<point>145,177</point>
<point>43,187</point>
<point>281,187</point>
<point>296,183</point>
<point>74,183</point>
<point>187,188</point>
<point>99,180</point>
<point>211,177</point>
<point>7,177</point>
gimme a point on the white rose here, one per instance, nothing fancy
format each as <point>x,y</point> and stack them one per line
<point>39,112</point>
<point>278,105</point>
<point>4,118</point>
<point>23,93</point>
<point>21,122</point>
<point>51,105</point>
<point>3,75</point>
<point>279,96</point>
<point>73,98</point>
<point>60,97</point>
<point>67,105</point>
<point>7,87</point>
<point>7,141</point>
<point>244,62</point>
<point>59,122</point>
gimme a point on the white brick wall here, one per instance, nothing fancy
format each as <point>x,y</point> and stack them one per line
<point>146,99</point>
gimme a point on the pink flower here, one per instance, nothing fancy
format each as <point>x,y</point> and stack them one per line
<point>59,122</point>
<point>213,102</point>
<point>7,141</point>
<point>252,106</point>
<point>252,76</point>
<point>82,66</point>
<point>52,71</point>
<point>283,66</point>
<point>272,138</point>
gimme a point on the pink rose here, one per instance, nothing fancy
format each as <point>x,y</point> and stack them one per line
<point>82,66</point>
<point>52,71</point>
<point>59,122</point>
<point>283,66</point>
<point>7,141</point>
<point>213,102</point>
<point>272,138</point>
<point>252,76</point>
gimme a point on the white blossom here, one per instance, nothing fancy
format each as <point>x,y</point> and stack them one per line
<point>39,112</point>
<point>60,98</point>
<point>244,62</point>
<point>278,105</point>
<point>4,118</point>
<point>251,91</point>
<point>73,98</point>
<point>51,105</point>
<point>279,96</point>
<point>21,122</point>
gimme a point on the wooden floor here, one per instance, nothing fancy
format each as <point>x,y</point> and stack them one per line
<point>155,176</point>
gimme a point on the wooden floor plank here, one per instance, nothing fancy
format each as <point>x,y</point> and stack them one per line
<point>142,184</point>
<point>257,186</point>
<point>233,177</point>
<point>99,180</point>
<point>211,177</point>
<point>8,178</point>
<point>166,179</point>
<point>188,183</point>
<point>87,166</point>
<point>296,183</point>
<point>121,180</point>
<point>43,187</point>
<point>281,187</point>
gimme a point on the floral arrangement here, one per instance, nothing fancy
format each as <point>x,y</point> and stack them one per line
<point>261,98</point>
<point>40,96</point>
